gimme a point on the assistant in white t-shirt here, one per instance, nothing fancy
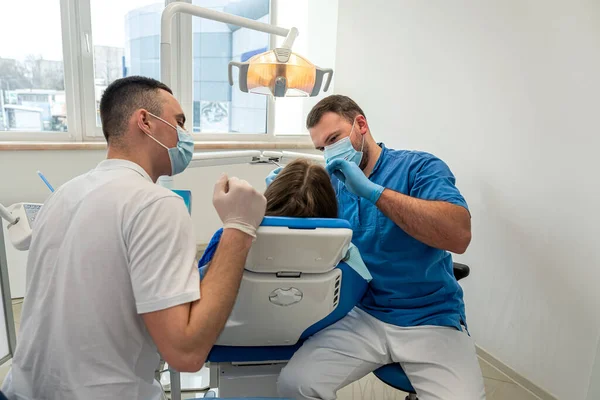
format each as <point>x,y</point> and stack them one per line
<point>107,246</point>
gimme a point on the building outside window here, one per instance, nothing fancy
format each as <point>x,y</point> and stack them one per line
<point>32,82</point>
<point>217,107</point>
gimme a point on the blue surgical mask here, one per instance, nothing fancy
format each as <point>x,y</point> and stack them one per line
<point>180,155</point>
<point>344,149</point>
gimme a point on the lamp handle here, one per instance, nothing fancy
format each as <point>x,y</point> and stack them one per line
<point>231,65</point>
<point>329,73</point>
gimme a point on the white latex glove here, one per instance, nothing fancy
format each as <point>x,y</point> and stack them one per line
<point>239,205</point>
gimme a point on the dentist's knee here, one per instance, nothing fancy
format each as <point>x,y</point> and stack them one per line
<point>302,384</point>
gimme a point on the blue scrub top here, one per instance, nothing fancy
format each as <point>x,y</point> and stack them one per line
<point>413,283</point>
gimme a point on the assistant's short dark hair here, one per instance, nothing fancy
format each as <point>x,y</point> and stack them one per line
<point>341,105</point>
<point>123,97</point>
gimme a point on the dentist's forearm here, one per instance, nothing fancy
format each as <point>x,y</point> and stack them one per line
<point>436,223</point>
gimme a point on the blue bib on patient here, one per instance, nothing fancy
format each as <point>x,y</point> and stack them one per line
<point>354,260</point>
<point>413,283</point>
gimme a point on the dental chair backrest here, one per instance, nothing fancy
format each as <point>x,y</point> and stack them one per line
<point>290,281</point>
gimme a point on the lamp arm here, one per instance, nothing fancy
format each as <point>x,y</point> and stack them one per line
<point>186,8</point>
<point>289,40</point>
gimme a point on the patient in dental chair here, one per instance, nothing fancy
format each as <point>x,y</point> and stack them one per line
<point>302,189</point>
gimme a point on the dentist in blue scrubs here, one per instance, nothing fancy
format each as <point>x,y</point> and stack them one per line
<point>407,216</point>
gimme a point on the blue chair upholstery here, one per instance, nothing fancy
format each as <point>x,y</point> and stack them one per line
<point>393,374</point>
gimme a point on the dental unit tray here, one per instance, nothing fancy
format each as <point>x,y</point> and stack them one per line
<point>209,159</point>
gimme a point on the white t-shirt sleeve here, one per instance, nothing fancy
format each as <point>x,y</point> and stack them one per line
<point>161,247</point>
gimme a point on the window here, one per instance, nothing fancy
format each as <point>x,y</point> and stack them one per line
<point>219,107</point>
<point>316,21</point>
<point>32,79</point>
<point>56,66</point>
<point>128,45</point>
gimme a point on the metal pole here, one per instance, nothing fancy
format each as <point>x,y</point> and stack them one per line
<point>175,384</point>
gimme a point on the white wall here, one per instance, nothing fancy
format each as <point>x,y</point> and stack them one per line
<point>507,92</point>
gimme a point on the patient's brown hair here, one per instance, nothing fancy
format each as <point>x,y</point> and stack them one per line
<point>302,189</point>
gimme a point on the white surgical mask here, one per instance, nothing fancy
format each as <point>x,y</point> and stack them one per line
<point>344,149</point>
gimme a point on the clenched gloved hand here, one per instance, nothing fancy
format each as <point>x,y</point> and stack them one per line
<point>355,180</point>
<point>239,205</point>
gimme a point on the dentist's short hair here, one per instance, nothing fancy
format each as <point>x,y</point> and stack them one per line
<point>338,104</point>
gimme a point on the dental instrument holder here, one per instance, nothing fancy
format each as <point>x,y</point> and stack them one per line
<point>211,159</point>
<point>20,218</point>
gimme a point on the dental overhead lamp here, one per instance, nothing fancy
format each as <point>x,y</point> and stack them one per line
<point>278,72</point>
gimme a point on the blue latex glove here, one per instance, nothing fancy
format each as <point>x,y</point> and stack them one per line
<point>272,175</point>
<point>355,180</point>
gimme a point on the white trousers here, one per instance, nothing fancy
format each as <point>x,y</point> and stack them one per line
<point>440,362</point>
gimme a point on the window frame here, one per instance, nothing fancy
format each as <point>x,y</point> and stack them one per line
<point>86,83</point>
<point>78,59</point>
<point>70,45</point>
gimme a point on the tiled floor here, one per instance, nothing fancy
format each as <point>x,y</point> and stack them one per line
<point>497,385</point>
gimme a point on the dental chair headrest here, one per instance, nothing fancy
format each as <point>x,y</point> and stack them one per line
<point>304,245</point>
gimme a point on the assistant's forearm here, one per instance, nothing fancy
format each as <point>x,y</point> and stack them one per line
<point>436,223</point>
<point>219,289</point>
